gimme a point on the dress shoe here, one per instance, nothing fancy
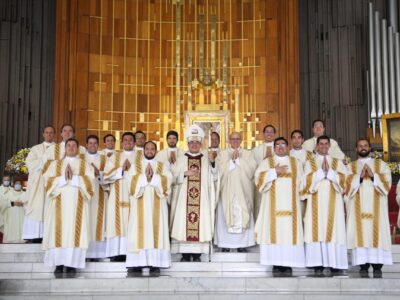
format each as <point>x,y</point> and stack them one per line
<point>155,270</point>
<point>58,269</point>
<point>70,270</point>
<point>185,258</point>
<point>225,250</point>
<point>242,250</point>
<point>134,270</point>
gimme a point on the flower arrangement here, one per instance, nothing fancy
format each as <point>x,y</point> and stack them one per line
<point>394,166</point>
<point>17,163</point>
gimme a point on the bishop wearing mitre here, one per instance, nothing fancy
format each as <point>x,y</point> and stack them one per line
<point>193,217</point>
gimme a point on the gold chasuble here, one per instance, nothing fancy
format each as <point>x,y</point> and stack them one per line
<point>193,208</point>
<point>148,232</point>
<point>324,220</point>
<point>66,225</point>
<point>367,213</point>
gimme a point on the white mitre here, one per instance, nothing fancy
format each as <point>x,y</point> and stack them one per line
<point>194,133</point>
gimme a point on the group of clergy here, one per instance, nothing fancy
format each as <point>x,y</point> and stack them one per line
<point>138,205</point>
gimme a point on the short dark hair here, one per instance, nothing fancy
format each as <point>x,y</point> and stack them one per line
<point>72,140</point>
<point>281,138</point>
<point>128,133</point>
<point>67,124</point>
<point>297,131</point>
<point>48,126</point>
<point>108,135</point>
<point>92,136</point>
<point>318,120</point>
<point>323,137</point>
<point>217,134</point>
<point>173,132</point>
<point>140,131</point>
<point>269,125</point>
<point>150,142</point>
<point>363,139</point>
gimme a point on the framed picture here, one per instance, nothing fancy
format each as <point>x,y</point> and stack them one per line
<point>391,137</point>
<point>210,121</point>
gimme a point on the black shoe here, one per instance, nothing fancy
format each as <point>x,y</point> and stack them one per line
<point>70,270</point>
<point>225,250</point>
<point>196,257</point>
<point>364,268</point>
<point>287,270</point>
<point>92,259</point>
<point>118,258</point>
<point>58,269</point>
<point>37,241</point>
<point>275,269</point>
<point>155,270</point>
<point>377,267</point>
<point>131,270</point>
<point>185,257</point>
<point>242,250</point>
<point>319,271</point>
<point>336,272</point>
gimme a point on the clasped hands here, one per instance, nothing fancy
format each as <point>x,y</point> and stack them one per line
<point>149,173</point>
<point>281,170</point>
<point>235,154</point>
<point>366,172</point>
<point>68,173</point>
<point>192,171</point>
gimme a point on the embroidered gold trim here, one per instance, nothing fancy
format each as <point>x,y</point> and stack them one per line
<point>117,209</point>
<point>294,199</point>
<point>140,222</point>
<point>359,229</point>
<point>272,204</point>
<point>164,179</point>
<point>332,205</point>
<point>124,204</point>
<point>375,221</point>
<point>100,216</point>
<point>261,178</point>
<point>78,220</point>
<point>57,152</point>
<point>58,225</point>
<point>156,219</point>
<point>134,183</point>
<point>102,162</point>
<point>193,201</point>
<point>315,229</point>
<point>283,213</point>
<point>46,166</point>
<point>116,164</point>
<point>367,216</point>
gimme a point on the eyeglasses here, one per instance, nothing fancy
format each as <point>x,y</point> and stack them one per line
<point>281,146</point>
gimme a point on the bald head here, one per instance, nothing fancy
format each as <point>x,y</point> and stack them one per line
<point>235,139</point>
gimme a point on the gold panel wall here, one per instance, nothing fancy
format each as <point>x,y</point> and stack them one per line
<point>142,64</point>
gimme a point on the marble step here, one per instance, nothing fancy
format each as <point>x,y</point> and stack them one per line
<point>34,253</point>
<point>198,286</point>
<point>93,267</point>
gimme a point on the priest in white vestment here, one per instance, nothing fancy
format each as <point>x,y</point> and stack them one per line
<point>302,155</point>
<point>69,188</point>
<point>36,195</point>
<point>168,157</point>
<point>4,188</point>
<point>279,228</point>
<point>235,219</point>
<point>148,230</point>
<point>319,130</point>
<point>368,227</point>
<point>97,206</point>
<point>324,220</point>
<point>57,151</point>
<point>109,145</point>
<point>261,152</point>
<point>12,210</point>
<point>118,206</point>
<point>193,218</point>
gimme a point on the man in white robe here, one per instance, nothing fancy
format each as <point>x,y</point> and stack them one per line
<point>168,157</point>
<point>109,145</point>
<point>4,188</point>
<point>302,156</point>
<point>69,188</point>
<point>261,152</point>
<point>279,229</point>
<point>148,230</point>
<point>193,217</point>
<point>97,206</point>
<point>12,210</point>
<point>36,195</point>
<point>368,227</point>
<point>235,220</point>
<point>319,130</point>
<point>57,151</point>
<point>324,220</point>
<point>118,206</point>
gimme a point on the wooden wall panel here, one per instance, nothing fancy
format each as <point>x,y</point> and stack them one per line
<point>27,29</point>
<point>117,59</point>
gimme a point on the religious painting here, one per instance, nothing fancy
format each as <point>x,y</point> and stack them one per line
<point>210,121</point>
<point>391,137</point>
